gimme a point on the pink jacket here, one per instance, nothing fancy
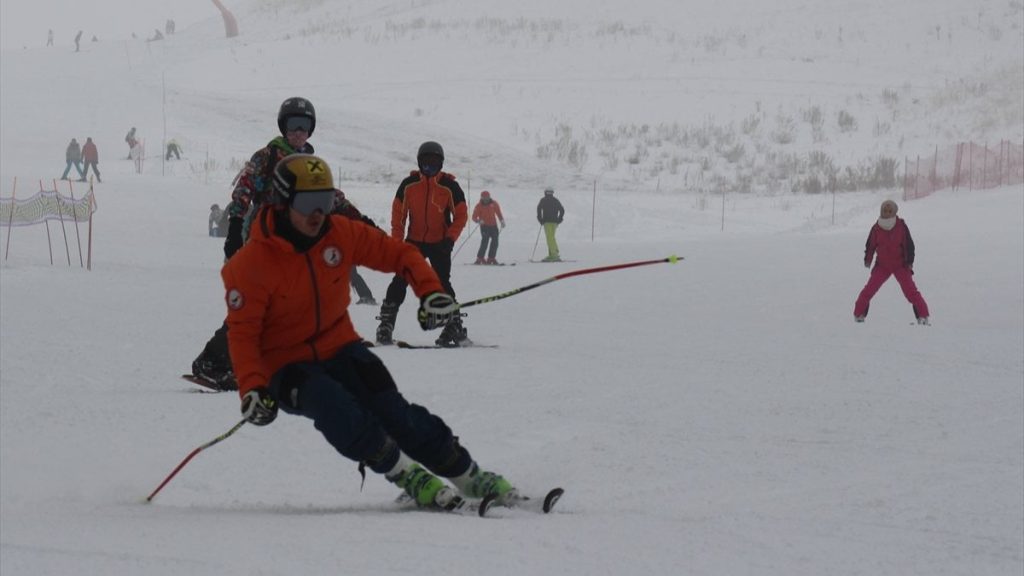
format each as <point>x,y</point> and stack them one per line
<point>895,248</point>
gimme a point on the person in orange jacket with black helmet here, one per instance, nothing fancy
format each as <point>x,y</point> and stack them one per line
<point>431,203</point>
<point>294,347</point>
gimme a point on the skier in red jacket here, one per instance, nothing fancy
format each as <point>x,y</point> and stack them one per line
<point>487,214</point>
<point>890,239</point>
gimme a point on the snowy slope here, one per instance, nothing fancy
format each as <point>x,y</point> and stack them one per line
<point>722,415</point>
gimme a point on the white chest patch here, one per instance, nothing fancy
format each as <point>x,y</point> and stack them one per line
<point>332,256</point>
<point>234,299</point>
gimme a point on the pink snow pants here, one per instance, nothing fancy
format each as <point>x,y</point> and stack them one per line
<point>878,277</point>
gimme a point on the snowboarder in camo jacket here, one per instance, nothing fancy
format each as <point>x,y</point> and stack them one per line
<point>296,120</point>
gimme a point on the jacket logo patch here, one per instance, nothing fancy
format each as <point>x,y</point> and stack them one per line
<point>234,299</point>
<point>332,256</point>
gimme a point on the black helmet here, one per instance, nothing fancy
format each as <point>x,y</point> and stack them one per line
<point>549,192</point>
<point>430,158</point>
<point>428,148</point>
<point>296,106</point>
<point>301,173</point>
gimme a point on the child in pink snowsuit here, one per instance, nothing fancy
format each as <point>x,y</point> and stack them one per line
<point>890,239</point>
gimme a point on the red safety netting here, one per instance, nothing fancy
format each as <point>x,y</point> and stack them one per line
<point>965,165</point>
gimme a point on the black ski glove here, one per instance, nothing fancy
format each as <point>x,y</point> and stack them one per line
<point>258,407</point>
<point>436,310</point>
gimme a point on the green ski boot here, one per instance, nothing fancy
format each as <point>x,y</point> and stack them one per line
<point>426,489</point>
<point>477,483</point>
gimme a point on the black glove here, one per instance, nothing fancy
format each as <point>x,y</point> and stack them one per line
<point>448,244</point>
<point>436,310</point>
<point>233,241</point>
<point>258,407</point>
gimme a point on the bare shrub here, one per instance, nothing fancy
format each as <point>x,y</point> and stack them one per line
<point>846,121</point>
<point>750,124</point>
<point>734,153</point>
<point>813,116</point>
<point>785,129</point>
<point>890,97</point>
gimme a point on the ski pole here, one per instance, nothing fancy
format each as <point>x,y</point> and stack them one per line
<point>536,242</point>
<point>192,454</point>
<point>671,260</point>
<point>464,241</point>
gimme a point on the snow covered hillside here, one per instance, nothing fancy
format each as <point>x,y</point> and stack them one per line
<point>721,415</point>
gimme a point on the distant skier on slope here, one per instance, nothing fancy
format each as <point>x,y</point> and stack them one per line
<point>890,239</point>
<point>487,214</point>
<point>549,215</point>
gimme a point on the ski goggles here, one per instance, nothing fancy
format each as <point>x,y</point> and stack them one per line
<point>295,123</point>
<point>430,164</point>
<point>307,203</point>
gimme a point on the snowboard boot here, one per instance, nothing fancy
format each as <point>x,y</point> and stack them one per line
<point>218,373</point>
<point>453,335</point>
<point>388,315</point>
<point>492,261</point>
<point>425,488</point>
<point>479,261</point>
<point>476,483</point>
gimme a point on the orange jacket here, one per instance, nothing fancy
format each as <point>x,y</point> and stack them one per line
<point>487,214</point>
<point>285,306</point>
<point>435,209</point>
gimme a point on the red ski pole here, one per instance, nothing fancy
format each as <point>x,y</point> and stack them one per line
<point>192,454</point>
<point>671,260</point>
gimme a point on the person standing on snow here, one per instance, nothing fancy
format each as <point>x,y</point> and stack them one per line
<point>91,156</point>
<point>131,140</point>
<point>549,215</point>
<point>433,205</point>
<point>173,148</point>
<point>890,239</point>
<point>73,156</point>
<point>296,120</point>
<point>487,214</point>
<point>295,349</point>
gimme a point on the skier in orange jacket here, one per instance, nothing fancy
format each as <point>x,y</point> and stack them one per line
<point>487,213</point>
<point>294,348</point>
<point>433,206</point>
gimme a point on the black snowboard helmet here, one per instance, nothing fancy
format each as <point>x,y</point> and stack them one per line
<point>296,106</point>
<point>430,158</point>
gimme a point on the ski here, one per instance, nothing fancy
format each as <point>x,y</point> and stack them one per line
<point>551,261</point>
<point>407,346</point>
<point>522,502</point>
<point>489,265</point>
<point>210,386</point>
<point>484,506</point>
